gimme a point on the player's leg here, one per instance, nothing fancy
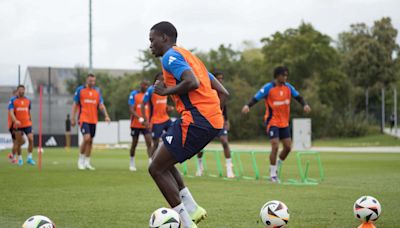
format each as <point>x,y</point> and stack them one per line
<point>13,155</point>
<point>200,167</point>
<point>30,147</point>
<point>160,171</point>
<point>274,140</point>
<point>82,149</point>
<point>227,152</point>
<point>148,141</point>
<point>88,151</point>
<point>19,140</point>
<point>284,135</point>
<point>135,136</point>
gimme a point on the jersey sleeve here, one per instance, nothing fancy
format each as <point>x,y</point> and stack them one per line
<point>175,64</point>
<point>263,92</point>
<point>100,96</point>
<point>147,95</point>
<point>77,94</point>
<point>11,103</point>
<point>131,100</point>
<point>211,76</point>
<point>293,91</point>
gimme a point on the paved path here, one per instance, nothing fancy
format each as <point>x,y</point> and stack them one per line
<point>392,132</point>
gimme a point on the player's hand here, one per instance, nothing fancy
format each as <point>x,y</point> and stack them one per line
<point>107,119</point>
<point>307,109</point>
<point>146,123</point>
<point>17,123</point>
<point>170,108</point>
<point>245,109</point>
<point>227,125</point>
<point>73,122</point>
<point>159,88</point>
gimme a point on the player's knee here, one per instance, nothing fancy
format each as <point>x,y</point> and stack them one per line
<point>153,170</point>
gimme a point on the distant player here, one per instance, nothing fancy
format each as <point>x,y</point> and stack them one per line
<point>87,100</point>
<point>159,118</point>
<point>20,112</point>
<point>277,95</point>
<point>137,122</point>
<point>223,136</point>
<point>13,155</point>
<point>191,87</point>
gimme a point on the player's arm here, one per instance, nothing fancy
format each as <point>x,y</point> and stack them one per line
<point>300,99</point>
<point>223,94</point>
<point>14,118</point>
<point>73,114</point>
<point>103,109</point>
<point>146,99</point>
<point>131,103</point>
<point>263,92</point>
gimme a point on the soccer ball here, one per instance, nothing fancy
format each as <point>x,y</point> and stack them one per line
<point>274,214</point>
<point>367,209</point>
<point>164,218</point>
<point>38,221</point>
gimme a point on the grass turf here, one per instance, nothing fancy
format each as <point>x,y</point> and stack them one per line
<point>112,196</point>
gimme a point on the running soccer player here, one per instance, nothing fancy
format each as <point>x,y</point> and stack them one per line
<point>191,87</point>
<point>135,102</point>
<point>88,100</point>
<point>159,118</point>
<point>277,95</point>
<point>19,110</point>
<point>223,137</point>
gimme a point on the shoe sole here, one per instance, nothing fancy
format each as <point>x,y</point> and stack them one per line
<point>202,217</point>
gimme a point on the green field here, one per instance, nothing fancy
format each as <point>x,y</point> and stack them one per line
<point>112,196</point>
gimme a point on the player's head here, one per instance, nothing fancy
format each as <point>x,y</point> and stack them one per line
<point>91,80</point>
<point>163,35</point>
<point>219,76</point>
<point>20,90</point>
<point>143,85</point>
<point>159,77</point>
<point>281,73</point>
<point>67,116</point>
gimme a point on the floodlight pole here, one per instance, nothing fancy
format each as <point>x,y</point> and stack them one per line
<point>19,74</point>
<point>90,38</point>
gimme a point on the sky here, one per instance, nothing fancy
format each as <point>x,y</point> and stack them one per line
<point>55,32</point>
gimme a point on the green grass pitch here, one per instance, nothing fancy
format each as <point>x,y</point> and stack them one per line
<point>112,196</point>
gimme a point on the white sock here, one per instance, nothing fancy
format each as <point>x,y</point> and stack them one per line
<point>200,163</point>
<point>150,160</point>
<point>19,157</point>
<point>184,215</point>
<point>133,161</point>
<point>228,162</point>
<point>273,170</point>
<point>82,157</point>
<point>30,155</point>
<point>188,200</point>
<point>87,161</point>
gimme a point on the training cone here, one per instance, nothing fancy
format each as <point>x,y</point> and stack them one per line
<point>367,225</point>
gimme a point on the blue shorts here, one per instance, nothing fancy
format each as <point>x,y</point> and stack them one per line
<point>87,128</point>
<point>158,129</point>
<point>12,132</point>
<point>275,132</point>
<point>135,132</point>
<point>222,132</point>
<point>26,130</point>
<point>197,137</point>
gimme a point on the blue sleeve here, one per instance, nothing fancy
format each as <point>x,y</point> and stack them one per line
<point>77,94</point>
<point>131,100</point>
<point>30,104</point>
<point>148,94</point>
<point>263,92</point>
<point>101,95</point>
<point>293,91</point>
<point>11,103</point>
<point>175,64</point>
<point>211,76</point>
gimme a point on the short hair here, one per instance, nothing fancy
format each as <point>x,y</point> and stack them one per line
<point>280,70</point>
<point>91,75</point>
<point>166,28</point>
<point>20,86</point>
<point>218,72</point>
<point>156,76</point>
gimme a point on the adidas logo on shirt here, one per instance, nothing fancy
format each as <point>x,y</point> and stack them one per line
<point>171,59</point>
<point>169,139</point>
<point>51,142</point>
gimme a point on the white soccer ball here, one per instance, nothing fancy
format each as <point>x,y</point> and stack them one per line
<point>164,218</point>
<point>38,221</point>
<point>274,214</point>
<point>367,208</point>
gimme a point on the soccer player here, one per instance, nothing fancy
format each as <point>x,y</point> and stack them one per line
<point>159,118</point>
<point>67,133</point>
<point>19,110</point>
<point>138,122</point>
<point>223,137</point>
<point>88,100</point>
<point>195,96</point>
<point>12,155</point>
<point>277,95</point>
